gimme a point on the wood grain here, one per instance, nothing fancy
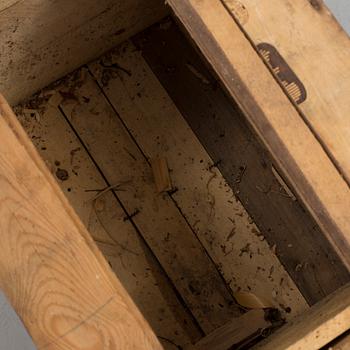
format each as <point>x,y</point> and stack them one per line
<point>51,270</point>
<point>313,42</point>
<point>316,328</point>
<point>246,165</point>
<point>156,216</point>
<point>44,40</point>
<point>294,147</point>
<point>220,222</point>
<point>117,238</point>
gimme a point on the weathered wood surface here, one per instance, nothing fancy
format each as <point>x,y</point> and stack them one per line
<point>42,40</point>
<point>295,149</point>
<point>244,162</point>
<point>317,49</point>
<point>156,216</point>
<point>51,270</point>
<point>317,327</point>
<point>209,205</point>
<point>117,238</point>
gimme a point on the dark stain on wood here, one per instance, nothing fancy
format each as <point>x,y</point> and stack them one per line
<point>62,174</point>
<point>224,132</point>
<point>316,4</point>
<point>286,76</point>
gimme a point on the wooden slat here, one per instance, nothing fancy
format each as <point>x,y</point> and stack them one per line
<point>156,216</point>
<point>161,174</point>
<point>293,146</point>
<point>51,270</point>
<point>221,223</point>
<point>317,327</point>
<point>123,247</point>
<point>310,40</point>
<point>234,332</point>
<point>247,167</point>
<point>44,40</point>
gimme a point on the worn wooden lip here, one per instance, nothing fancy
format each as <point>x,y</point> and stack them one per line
<point>190,19</point>
<point>115,291</point>
<point>316,5</point>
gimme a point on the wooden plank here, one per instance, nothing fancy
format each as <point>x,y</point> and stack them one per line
<point>44,40</point>
<point>208,203</point>
<point>313,42</point>
<point>291,232</point>
<point>161,174</point>
<point>317,327</point>
<point>51,270</point>
<point>294,147</point>
<point>234,332</point>
<point>119,241</point>
<point>156,216</point>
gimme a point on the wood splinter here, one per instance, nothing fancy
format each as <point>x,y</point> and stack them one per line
<point>161,174</point>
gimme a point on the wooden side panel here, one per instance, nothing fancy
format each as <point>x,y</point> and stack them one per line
<point>294,147</point>
<point>42,40</point>
<point>317,327</point>
<point>317,49</point>
<point>246,165</point>
<point>51,270</point>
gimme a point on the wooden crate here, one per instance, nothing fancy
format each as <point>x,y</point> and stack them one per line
<point>241,116</point>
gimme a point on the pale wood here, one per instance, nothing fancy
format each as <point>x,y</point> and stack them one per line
<point>161,174</point>
<point>44,40</point>
<point>220,221</point>
<point>51,270</point>
<point>121,244</point>
<point>156,215</point>
<point>234,332</point>
<point>317,327</point>
<point>311,40</point>
<point>295,149</point>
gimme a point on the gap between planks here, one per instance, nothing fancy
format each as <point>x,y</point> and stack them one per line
<point>222,129</point>
<point>203,197</point>
<point>159,221</point>
<point>209,181</point>
<point>129,257</point>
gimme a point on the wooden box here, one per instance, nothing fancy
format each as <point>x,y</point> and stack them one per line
<point>181,175</point>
